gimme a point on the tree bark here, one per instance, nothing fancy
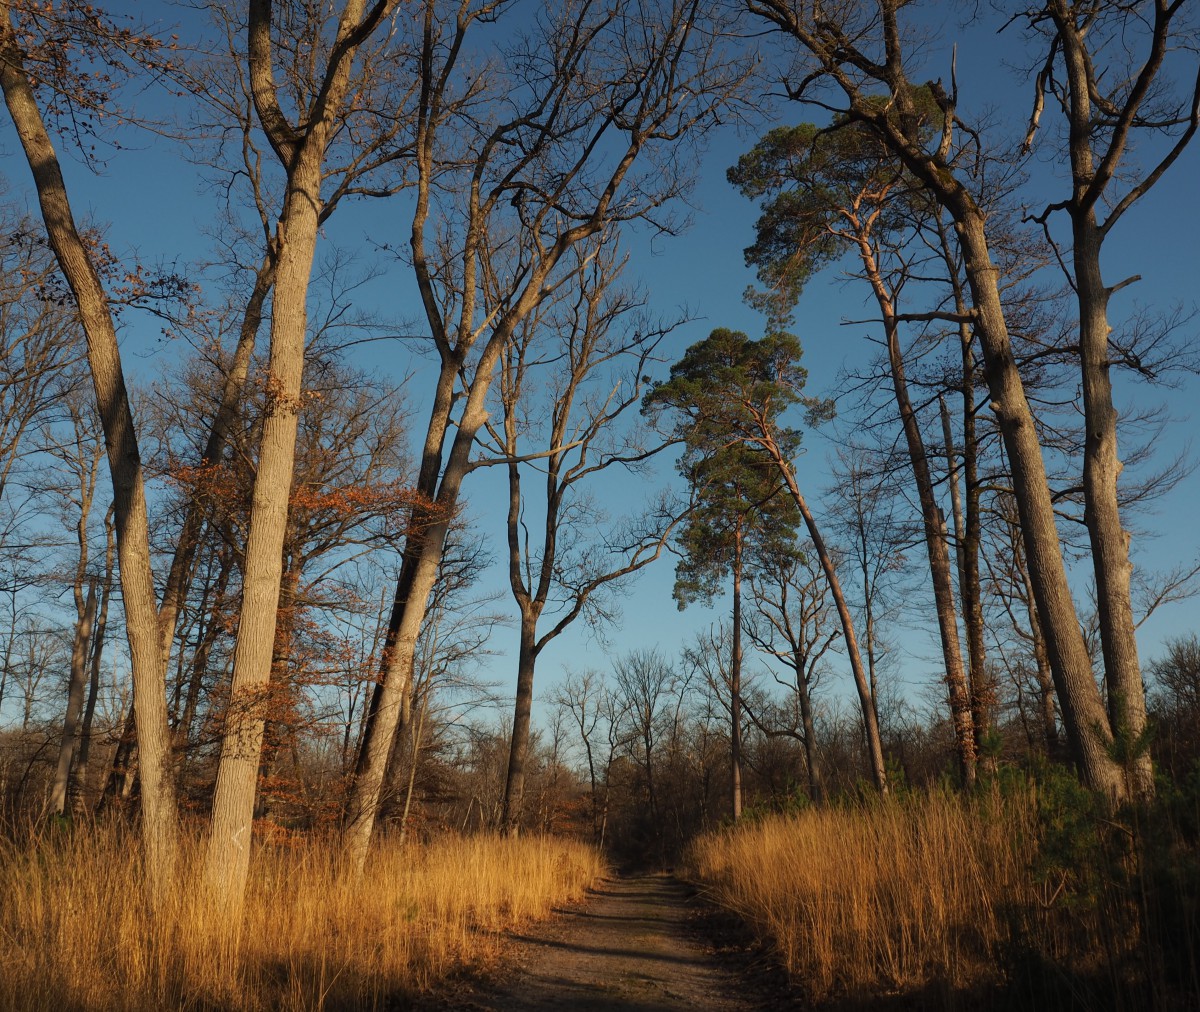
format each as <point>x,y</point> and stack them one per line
<point>514,786</point>
<point>1084,718</point>
<point>159,818</point>
<point>302,154</point>
<point>80,651</point>
<point>1102,467</point>
<point>865,699</point>
<point>735,681</point>
<point>936,550</point>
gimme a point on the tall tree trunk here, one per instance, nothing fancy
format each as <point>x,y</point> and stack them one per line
<point>1096,144</point>
<point>159,818</point>
<point>865,699</point>
<point>417,579</point>
<point>514,787</point>
<point>1083,712</point>
<point>983,695</point>
<point>970,537</point>
<point>429,523</point>
<point>77,785</point>
<point>936,549</point>
<point>80,651</point>
<point>812,757</point>
<point>302,153</point>
<point>228,857</point>
<point>1107,537</point>
<point>735,681</point>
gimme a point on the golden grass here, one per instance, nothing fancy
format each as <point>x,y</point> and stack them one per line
<point>75,934</point>
<point>893,897</point>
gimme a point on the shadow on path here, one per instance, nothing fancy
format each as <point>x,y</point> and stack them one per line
<point>629,949</point>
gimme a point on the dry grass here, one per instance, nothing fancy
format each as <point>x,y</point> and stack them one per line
<point>74,933</point>
<point>932,896</point>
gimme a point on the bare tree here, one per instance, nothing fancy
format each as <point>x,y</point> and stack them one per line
<point>76,255</point>
<point>301,148</point>
<point>599,715</point>
<point>36,338</point>
<point>596,356</point>
<point>588,124</point>
<point>645,683</point>
<point>81,455</point>
<point>1112,60</point>
<point>794,624</point>
<point>874,537</point>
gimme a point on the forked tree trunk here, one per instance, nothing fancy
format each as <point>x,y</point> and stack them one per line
<point>1096,154</point>
<point>302,153</point>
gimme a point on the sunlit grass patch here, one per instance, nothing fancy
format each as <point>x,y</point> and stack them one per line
<point>1018,899</point>
<point>76,933</point>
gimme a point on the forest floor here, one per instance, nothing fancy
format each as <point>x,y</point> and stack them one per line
<point>638,944</point>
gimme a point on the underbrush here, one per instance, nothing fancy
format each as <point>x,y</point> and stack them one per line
<point>75,932</point>
<point>1026,895</point>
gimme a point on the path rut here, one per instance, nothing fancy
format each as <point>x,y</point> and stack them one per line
<point>628,949</point>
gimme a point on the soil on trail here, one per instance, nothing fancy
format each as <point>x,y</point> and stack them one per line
<point>630,947</point>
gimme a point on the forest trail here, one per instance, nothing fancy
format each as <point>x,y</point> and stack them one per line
<point>628,949</point>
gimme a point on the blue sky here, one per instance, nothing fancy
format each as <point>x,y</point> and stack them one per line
<point>149,199</point>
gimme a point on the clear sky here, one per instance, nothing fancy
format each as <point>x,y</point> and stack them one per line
<point>149,197</point>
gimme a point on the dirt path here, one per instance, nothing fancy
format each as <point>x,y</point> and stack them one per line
<point>628,949</point>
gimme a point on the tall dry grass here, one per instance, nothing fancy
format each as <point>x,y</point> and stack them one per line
<point>75,933</point>
<point>944,899</point>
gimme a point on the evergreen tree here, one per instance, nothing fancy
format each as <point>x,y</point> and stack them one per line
<point>740,504</point>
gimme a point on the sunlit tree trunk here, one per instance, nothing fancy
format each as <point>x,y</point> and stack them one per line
<point>159,819</point>
<point>302,153</point>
